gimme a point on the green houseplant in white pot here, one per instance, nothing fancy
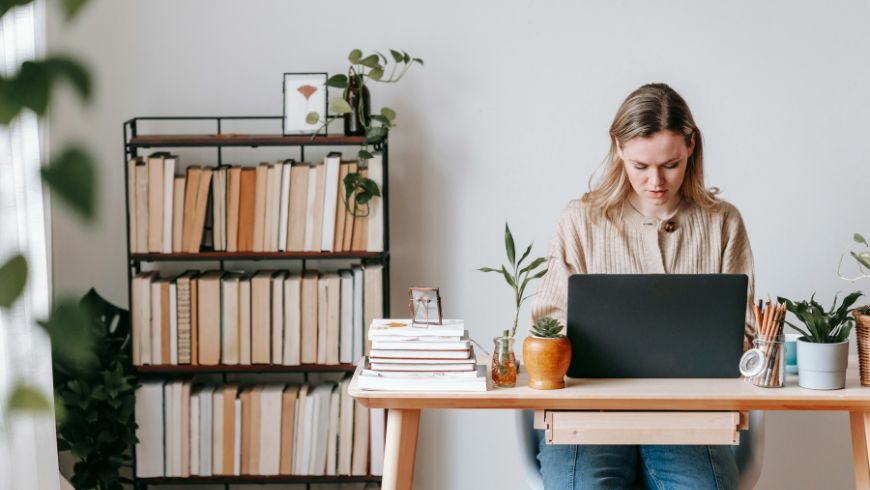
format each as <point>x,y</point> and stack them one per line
<point>823,348</point>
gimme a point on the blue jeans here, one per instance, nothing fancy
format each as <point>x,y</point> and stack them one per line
<point>566,466</point>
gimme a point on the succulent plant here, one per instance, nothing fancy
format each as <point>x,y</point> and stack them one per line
<point>547,328</point>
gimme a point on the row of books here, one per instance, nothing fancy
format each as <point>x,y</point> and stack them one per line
<point>412,357</point>
<point>265,317</point>
<point>288,206</point>
<point>203,430</point>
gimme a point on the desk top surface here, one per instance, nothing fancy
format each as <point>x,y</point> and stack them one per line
<point>634,394</point>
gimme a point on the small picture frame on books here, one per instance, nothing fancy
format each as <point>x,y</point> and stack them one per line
<point>304,93</point>
<point>425,306</point>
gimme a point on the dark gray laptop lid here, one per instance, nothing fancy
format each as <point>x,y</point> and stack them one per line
<point>656,325</point>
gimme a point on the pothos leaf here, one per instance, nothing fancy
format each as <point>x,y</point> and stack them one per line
<point>13,278</point>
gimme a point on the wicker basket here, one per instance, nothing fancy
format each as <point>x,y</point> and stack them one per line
<point>862,329</point>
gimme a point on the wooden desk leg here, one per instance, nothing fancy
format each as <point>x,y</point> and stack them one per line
<point>860,422</point>
<point>401,449</point>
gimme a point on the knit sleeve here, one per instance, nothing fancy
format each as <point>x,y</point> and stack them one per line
<point>737,259</point>
<point>566,258</point>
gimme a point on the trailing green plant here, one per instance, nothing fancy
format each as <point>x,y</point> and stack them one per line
<point>825,327</point>
<point>862,258</point>
<point>364,69</point>
<point>547,328</point>
<point>518,277</point>
<point>99,428</point>
<point>70,176</point>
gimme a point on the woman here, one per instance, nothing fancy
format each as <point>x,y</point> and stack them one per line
<point>649,213</point>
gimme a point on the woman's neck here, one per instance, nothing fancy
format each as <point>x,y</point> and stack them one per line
<point>652,210</point>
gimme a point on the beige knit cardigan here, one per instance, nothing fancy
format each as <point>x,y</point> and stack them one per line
<point>702,241</point>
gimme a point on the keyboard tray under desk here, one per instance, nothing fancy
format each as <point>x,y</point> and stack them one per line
<point>588,427</point>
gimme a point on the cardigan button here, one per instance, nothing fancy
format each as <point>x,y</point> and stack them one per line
<point>670,226</point>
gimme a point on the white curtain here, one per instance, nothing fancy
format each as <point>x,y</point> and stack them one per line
<point>28,449</point>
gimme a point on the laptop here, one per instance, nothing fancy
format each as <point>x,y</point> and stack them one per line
<point>656,325</point>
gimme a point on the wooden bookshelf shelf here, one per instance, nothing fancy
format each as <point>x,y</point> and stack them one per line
<point>232,480</point>
<point>182,369</point>
<point>204,256</point>
<point>231,139</point>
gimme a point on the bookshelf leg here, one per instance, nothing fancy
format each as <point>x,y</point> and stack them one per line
<point>860,422</point>
<point>401,449</point>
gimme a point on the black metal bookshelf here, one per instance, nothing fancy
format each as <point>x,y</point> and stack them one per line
<point>137,143</point>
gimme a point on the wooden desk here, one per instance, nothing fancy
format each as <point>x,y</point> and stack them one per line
<point>403,418</point>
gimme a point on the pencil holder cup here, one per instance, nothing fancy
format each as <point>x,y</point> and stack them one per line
<point>764,365</point>
<point>862,335</point>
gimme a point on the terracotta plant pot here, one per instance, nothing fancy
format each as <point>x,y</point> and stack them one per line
<point>547,361</point>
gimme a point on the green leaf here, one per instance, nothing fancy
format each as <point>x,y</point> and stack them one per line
<point>25,398</point>
<point>60,67</point>
<point>364,155</point>
<point>388,113</point>
<point>418,60</point>
<point>488,269</point>
<point>397,56</point>
<point>312,118</point>
<point>72,7</point>
<point>375,134</point>
<point>381,119</point>
<point>369,187</point>
<point>525,254</point>
<point>376,74</point>
<point>508,278</point>
<point>71,176</point>
<point>535,263</point>
<point>6,5</point>
<point>355,56</point>
<point>863,258</point>
<point>509,245</point>
<point>10,103</point>
<point>13,278</point>
<point>406,57</point>
<point>69,327</point>
<point>370,61</point>
<point>337,81</point>
<point>32,86</point>
<point>339,106</point>
<point>860,239</point>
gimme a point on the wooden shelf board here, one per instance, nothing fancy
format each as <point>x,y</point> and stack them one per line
<point>253,368</point>
<point>233,139</point>
<point>232,479</point>
<point>158,257</point>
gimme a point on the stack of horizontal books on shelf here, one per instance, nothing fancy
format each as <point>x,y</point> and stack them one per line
<point>283,207</point>
<point>186,429</point>
<point>266,317</point>
<point>411,357</point>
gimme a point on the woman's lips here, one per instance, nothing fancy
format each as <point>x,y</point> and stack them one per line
<point>660,193</point>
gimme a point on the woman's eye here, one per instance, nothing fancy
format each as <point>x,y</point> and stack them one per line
<point>672,166</point>
<point>640,167</point>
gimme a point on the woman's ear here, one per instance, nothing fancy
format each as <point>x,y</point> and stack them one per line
<point>691,146</point>
<point>618,149</point>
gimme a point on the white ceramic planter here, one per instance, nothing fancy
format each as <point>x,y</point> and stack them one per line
<point>822,366</point>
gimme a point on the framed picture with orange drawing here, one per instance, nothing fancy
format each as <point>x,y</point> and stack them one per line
<point>304,93</point>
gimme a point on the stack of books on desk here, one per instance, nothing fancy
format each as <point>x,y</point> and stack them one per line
<point>406,357</point>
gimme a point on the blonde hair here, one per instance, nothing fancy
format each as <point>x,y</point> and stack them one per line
<point>649,109</point>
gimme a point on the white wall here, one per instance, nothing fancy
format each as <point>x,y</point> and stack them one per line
<point>506,122</point>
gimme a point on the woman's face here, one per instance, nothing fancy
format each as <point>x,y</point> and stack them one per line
<point>656,167</point>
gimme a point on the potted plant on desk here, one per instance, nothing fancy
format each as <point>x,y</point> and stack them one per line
<point>862,314</point>
<point>823,348</point>
<point>504,365</point>
<point>547,354</point>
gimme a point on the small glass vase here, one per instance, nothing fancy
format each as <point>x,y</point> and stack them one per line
<point>504,363</point>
